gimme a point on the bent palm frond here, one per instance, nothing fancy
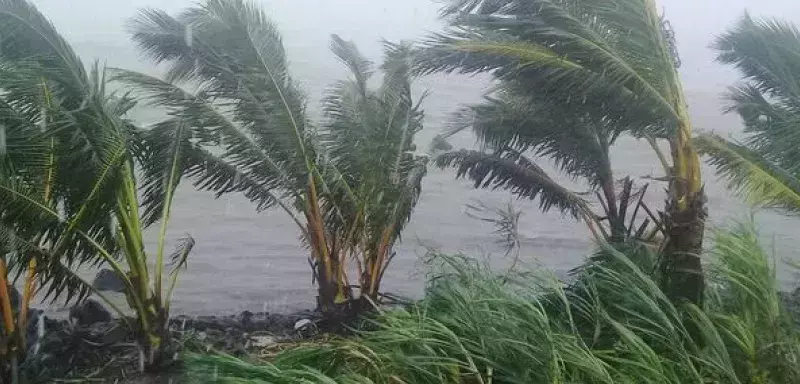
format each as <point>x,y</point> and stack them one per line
<point>767,53</point>
<point>765,168</point>
<point>759,181</point>
<point>518,174</point>
<point>250,77</point>
<point>570,50</point>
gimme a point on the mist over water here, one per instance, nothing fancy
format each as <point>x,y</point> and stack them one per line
<point>249,260</point>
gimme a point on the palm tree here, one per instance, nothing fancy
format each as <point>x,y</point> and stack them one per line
<point>367,138</point>
<point>511,123</point>
<point>69,192</point>
<point>616,57</point>
<point>765,168</point>
<point>23,162</point>
<point>350,184</point>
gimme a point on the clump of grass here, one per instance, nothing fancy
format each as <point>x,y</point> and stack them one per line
<point>613,325</point>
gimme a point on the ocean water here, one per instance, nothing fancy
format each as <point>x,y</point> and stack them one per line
<point>246,260</point>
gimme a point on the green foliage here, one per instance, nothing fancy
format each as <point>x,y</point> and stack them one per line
<point>76,200</point>
<point>613,325</point>
<point>515,172</point>
<point>63,133</point>
<point>350,183</point>
<point>765,168</point>
<point>762,183</point>
<point>573,76</point>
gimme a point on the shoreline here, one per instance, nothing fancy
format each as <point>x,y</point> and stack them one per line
<point>90,344</point>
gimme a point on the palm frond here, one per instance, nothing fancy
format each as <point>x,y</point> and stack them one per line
<point>566,49</point>
<point>517,174</point>
<point>766,53</point>
<point>348,53</point>
<point>179,260</point>
<point>761,182</point>
<point>575,139</point>
<point>25,219</point>
<point>243,164</point>
<point>28,35</point>
<point>250,77</point>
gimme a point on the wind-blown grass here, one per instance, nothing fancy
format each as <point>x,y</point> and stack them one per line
<point>613,325</point>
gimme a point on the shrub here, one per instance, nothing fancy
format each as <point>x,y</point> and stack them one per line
<point>613,325</point>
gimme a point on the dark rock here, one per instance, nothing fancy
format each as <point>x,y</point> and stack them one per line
<point>107,280</point>
<point>246,318</point>
<point>439,143</point>
<point>202,323</point>
<point>181,323</point>
<point>89,312</point>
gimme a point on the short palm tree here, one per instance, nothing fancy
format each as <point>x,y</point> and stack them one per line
<point>765,168</point>
<point>69,191</point>
<point>367,138</point>
<point>25,163</point>
<point>615,58</point>
<point>349,184</point>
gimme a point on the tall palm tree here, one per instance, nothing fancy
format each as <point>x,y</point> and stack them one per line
<point>765,167</point>
<point>69,188</point>
<point>349,184</point>
<point>618,55</point>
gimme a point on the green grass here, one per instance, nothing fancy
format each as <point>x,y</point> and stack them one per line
<point>614,325</point>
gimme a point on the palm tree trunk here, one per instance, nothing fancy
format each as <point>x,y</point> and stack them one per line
<point>616,221</point>
<point>8,357</point>
<point>682,269</point>
<point>327,289</point>
<point>27,296</point>
<point>154,342</point>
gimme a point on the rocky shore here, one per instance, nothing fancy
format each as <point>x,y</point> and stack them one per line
<point>93,346</point>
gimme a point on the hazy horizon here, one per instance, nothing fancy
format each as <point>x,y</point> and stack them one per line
<point>307,24</point>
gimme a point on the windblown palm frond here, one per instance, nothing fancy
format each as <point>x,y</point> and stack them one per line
<point>515,172</point>
<point>249,131</point>
<point>249,77</point>
<point>765,168</point>
<point>761,182</point>
<point>571,51</point>
<point>576,140</point>
<point>243,166</point>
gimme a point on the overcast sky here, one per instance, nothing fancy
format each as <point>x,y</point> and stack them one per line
<point>307,25</point>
